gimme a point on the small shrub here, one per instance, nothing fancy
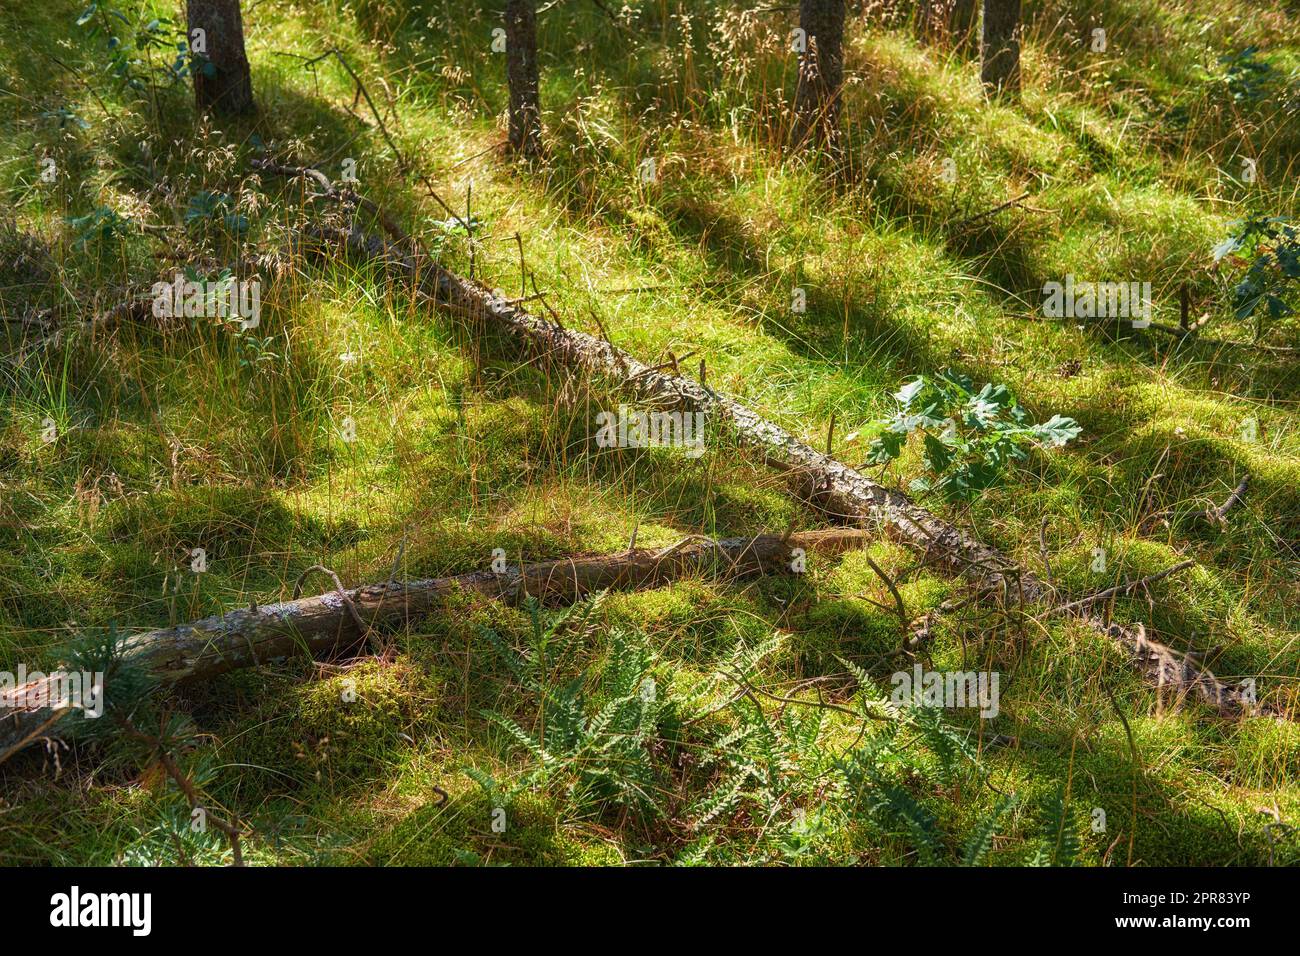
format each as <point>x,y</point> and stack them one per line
<point>969,435</point>
<point>1269,247</point>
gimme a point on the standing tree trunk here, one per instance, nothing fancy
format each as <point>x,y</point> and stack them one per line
<point>521,73</point>
<point>1000,49</point>
<point>821,74</point>
<point>222,82</point>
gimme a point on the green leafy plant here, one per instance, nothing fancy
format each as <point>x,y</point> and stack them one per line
<point>1249,79</point>
<point>253,350</point>
<point>256,352</point>
<point>207,205</point>
<point>102,225</point>
<point>65,117</point>
<point>130,47</point>
<point>1269,247</point>
<point>969,434</point>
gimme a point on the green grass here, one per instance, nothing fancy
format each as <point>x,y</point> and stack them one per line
<point>182,435</point>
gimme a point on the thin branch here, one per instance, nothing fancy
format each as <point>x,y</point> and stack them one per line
<point>1042,550</point>
<point>347,598</point>
<point>903,617</point>
<point>1119,589</point>
<point>750,689</point>
<point>971,220</point>
<point>1219,516</point>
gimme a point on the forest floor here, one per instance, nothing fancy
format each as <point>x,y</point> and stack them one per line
<point>491,734</point>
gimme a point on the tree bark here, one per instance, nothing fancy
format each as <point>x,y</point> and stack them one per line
<point>253,636</point>
<point>521,74</point>
<point>222,81</point>
<point>1000,48</point>
<point>821,75</point>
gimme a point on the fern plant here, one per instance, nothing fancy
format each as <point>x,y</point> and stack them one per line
<point>600,739</point>
<point>869,772</point>
<point>875,775</point>
<point>980,841</point>
<point>1060,835</point>
<point>767,768</point>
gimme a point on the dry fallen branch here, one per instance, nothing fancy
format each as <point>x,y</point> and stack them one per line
<point>1117,590</point>
<point>1219,516</point>
<point>252,636</point>
<point>1180,331</point>
<point>749,690</point>
<point>979,217</point>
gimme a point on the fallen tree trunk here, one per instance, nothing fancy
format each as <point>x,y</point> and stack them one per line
<point>836,489</point>
<point>253,636</point>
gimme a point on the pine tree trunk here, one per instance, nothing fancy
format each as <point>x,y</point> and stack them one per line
<point>1000,49</point>
<point>821,74</point>
<point>521,73</point>
<point>222,82</point>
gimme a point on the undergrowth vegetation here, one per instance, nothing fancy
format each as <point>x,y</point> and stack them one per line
<point>707,722</point>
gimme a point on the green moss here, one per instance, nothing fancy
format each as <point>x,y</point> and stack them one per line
<point>339,731</point>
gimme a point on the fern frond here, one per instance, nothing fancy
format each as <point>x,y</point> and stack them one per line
<point>980,841</point>
<point>1059,831</point>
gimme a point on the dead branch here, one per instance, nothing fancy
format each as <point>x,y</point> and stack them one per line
<point>338,585</point>
<point>1218,517</point>
<point>1118,589</point>
<point>749,690</point>
<point>903,617</point>
<point>971,220</point>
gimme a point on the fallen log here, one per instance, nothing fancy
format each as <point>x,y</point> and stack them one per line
<point>255,635</point>
<point>838,491</point>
